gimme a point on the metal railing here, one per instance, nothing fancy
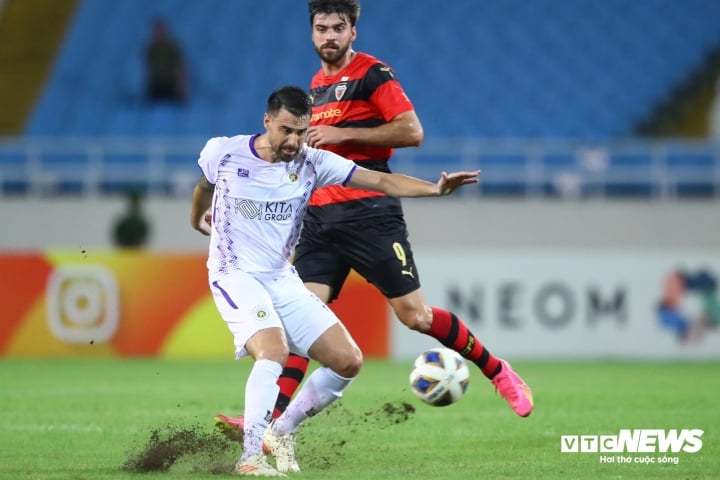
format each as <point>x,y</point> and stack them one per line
<point>525,168</point>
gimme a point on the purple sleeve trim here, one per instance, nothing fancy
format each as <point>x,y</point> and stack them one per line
<point>349,176</point>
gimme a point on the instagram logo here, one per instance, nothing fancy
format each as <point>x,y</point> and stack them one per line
<point>82,302</point>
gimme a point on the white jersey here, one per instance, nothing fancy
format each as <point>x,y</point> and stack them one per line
<point>258,206</point>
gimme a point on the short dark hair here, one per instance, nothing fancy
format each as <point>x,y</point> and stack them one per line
<point>349,9</point>
<point>293,99</point>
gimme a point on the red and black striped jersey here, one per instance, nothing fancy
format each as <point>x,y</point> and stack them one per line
<point>363,94</point>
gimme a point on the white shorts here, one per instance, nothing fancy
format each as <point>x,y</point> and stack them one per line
<point>250,302</point>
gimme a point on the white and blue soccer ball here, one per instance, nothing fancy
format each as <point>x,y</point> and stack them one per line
<point>439,377</point>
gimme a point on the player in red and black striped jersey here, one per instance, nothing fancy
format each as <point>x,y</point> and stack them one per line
<point>361,97</point>
<point>361,112</point>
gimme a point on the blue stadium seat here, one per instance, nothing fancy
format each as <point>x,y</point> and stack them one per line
<point>693,169</point>
<point>547,68</point>
<point>504,174</point>
<point>126,171</point>
<point>630,174</point>
<point>13,180</point>
<point>558,170</point>
<point>63,172</point>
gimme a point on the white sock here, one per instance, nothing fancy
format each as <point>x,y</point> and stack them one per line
<point>321,388</point>
<point>261,391</point>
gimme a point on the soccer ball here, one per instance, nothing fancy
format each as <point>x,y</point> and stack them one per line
<point>439,377</point>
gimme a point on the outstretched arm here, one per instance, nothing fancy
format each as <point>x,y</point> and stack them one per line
<point>398,185</point>
<point>201,201</point>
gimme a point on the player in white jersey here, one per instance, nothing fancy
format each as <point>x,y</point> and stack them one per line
<point>250,199</point>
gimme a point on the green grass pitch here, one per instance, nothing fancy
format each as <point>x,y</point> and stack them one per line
<point>149,419</point>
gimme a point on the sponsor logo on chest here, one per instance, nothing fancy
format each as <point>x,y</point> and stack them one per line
<point>264,211</point>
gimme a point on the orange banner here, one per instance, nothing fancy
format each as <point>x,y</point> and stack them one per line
<point>58,304</point>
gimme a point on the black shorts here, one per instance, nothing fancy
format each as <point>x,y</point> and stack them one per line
<point>377,249</point>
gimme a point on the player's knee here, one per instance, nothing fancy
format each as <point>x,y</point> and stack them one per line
<point>349,364</point>
<point>276,353</point>
<point>268,344</point>
<point>418,320</point>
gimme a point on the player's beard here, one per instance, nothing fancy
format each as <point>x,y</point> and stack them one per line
<point>332,56</point>
<point>285,156</point>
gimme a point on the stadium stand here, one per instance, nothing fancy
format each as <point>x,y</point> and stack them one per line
<point>510,69</point>
<point>547,68</point>
<point>31,32</point>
